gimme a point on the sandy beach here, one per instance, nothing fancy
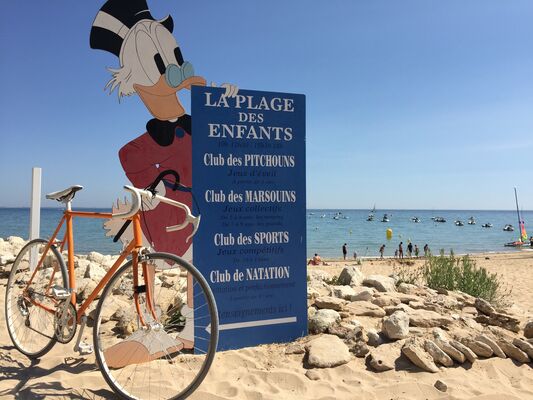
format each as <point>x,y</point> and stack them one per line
<point>267,372</point>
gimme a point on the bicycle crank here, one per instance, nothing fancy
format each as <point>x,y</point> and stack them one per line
<point>65,322</point>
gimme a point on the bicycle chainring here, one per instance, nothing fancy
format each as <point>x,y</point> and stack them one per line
<point>65,322</point>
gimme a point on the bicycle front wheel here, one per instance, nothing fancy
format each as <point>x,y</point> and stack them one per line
<point>156,331</point>
<point>30,305</point>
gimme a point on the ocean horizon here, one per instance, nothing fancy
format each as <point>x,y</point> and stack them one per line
<point>325,234</point>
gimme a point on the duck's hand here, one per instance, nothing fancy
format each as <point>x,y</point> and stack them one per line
<point>231,90</point>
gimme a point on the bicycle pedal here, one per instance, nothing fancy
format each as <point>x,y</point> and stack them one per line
<point>60,293</point>
<point>84,348</point>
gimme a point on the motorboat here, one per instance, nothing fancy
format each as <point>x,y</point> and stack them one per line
<point>439,219</point>
<point>385,218</point>
<point>416,220</point>
<point>508,228</point>
<point>471,221</point>
<point>459,223</point>
<point>487,225</point>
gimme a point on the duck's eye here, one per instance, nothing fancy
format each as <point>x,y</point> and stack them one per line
<point>159,63</point>
<point>179,57</point>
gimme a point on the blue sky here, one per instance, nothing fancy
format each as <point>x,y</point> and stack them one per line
<point>410,104</point>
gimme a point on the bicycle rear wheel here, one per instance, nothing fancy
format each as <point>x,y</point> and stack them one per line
<point>162,345</point>
<point>30,307</point>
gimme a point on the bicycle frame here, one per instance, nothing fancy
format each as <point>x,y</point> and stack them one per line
<point>133,248</point>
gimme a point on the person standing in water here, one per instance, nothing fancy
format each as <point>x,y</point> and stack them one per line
<point>344,250</point>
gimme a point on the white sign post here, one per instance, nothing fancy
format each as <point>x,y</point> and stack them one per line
<point>35,213</point>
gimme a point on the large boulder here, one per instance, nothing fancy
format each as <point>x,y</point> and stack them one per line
<point>365,308</point>
<point>350,275</point>
<point>381,283</point>
<point>322,320</point>
<point>396,326</point>
<point>327,351</point>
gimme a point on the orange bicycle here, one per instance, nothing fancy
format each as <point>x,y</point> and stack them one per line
<point>155,328</point>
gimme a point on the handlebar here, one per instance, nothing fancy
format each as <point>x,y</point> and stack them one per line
<point>136,197</point>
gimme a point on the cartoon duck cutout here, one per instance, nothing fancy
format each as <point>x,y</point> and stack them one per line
<point>152,65</point>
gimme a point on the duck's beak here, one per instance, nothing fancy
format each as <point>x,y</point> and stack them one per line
<point>161,99</point>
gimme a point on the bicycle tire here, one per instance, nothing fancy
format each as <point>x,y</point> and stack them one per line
<point>107,338</point>
<point>16,306</point>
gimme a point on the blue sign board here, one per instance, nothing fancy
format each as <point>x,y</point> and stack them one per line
<point>249,181</point>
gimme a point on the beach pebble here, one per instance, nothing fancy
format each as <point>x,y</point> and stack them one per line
<point>414,351</point>
<point>322,319</point>
<point>441,386</point>
<point>350,275</point>
<point>484,306</point>
<point>428,319</point>
<point>438,355</point>
<point>380,282</point>
<point>294,348</point>
<point>528,330</point>
<point>331,303</point>
<point>327,351</point>
<point>396,326</point>
<point>365,308</point>
<point>313,374</point>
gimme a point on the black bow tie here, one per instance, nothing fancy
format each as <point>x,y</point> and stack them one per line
<point>163,132</point>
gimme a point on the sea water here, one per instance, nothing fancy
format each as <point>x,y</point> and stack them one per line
<point>325,235</point>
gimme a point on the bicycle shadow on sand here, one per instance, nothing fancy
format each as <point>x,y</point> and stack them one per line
<point>25,372</point>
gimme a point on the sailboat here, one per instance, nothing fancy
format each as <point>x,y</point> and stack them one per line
<point>521,227</point>
<point>371,215</point>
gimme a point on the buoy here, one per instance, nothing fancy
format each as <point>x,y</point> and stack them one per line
<point>389,234</point>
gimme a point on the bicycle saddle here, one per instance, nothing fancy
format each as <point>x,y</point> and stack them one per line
<point>64,195</point>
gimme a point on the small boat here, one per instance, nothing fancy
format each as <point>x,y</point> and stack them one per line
<point>439,219</point>
<point>323,216</point>
<point>416,220</point>
<point>370,217</point>
<point>459,223</point>
<point>471,221</point>
<point>487,225</point>
<point>508,228</point>
<point>385,218</point>
<point>522,239</point>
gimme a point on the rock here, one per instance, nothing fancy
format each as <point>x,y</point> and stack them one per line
<point>470,310</point>
<point>343,292</point>
<point>484,306</point>
<point>294,348</point>
<point>327,351</point>
<point>384,357</point>
<point>498,352</point>
<point>318,275</point>
<point>384,300</point>
<point>407,288</point>
<point>16,241</point>
<point>344,314</point>
<point>396,326</point>
<point>528,330</point>
<point>374,339</point>
<point>351,276</point>
<point>480,348</point>
<point>413,350</point>
<point>94,272</point>
<point>438,355</point>
<point>322,320</point>
<point>469,354</point>
<point>400,307</point>
<point>95,257</point>
<point>526,347</point>
<point>498,319</point>
<point>311,311</point>
<point>513,352</point>
<point>360,349</point>
<point>313,374</point>
<point>6,259</point>
<point>380,282</point>
<point>365,308</point>
<point>442,341</point>
<point>85,288</point>
<point>362,294</point>
<point>428,319</point>
<point>441,386</point>
<point>339,330</point>
<point>125,320</point>
<point>331,303</point>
